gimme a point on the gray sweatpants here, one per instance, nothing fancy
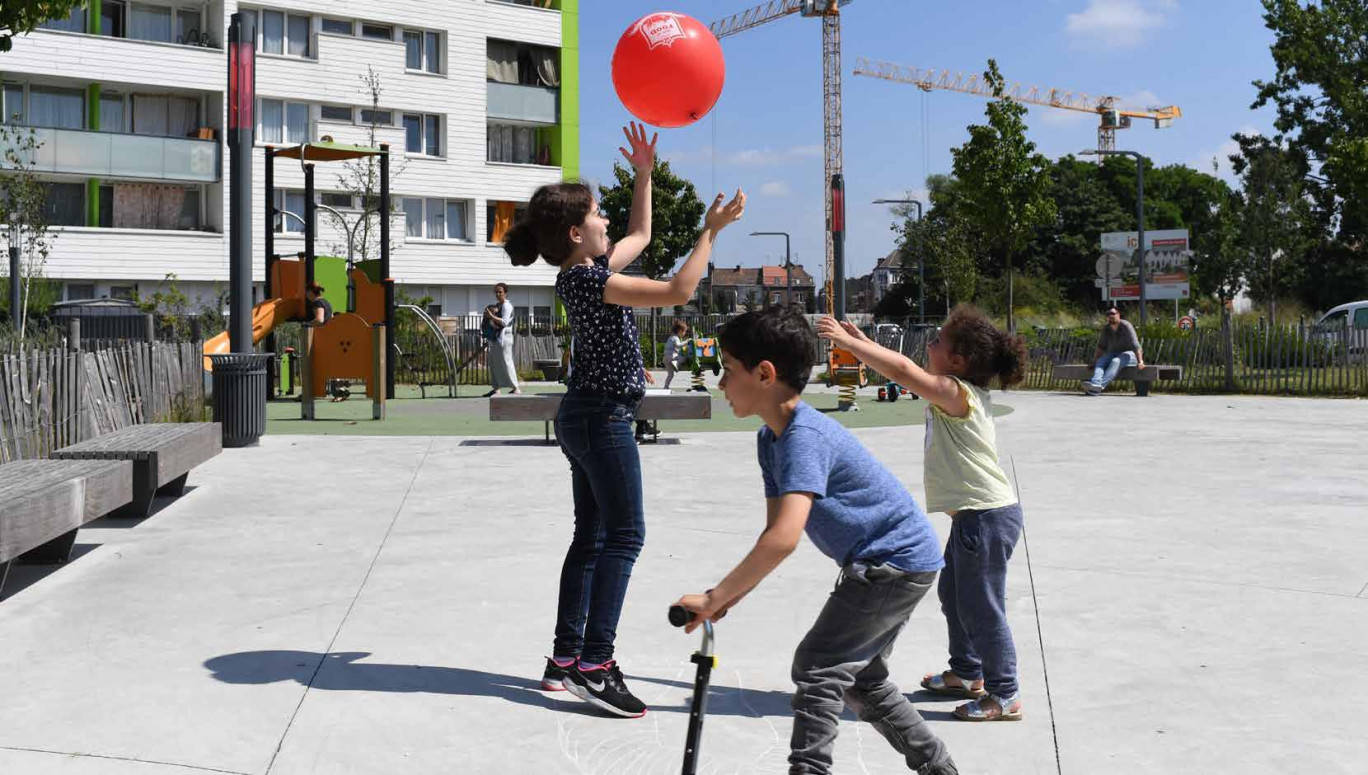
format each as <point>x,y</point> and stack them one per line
<point>844,659</point>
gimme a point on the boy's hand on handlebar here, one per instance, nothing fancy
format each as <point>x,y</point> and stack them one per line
<point>721,215</point>
<point>703,607</point>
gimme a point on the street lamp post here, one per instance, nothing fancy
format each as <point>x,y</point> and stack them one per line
<point>1139,219</point>
<point>788,263</point>
<point>921,256</point>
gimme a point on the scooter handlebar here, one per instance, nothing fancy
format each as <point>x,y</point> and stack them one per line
<point>679,616</point>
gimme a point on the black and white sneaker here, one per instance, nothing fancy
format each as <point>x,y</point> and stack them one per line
<point>553,678</point>
<point>602,687</point>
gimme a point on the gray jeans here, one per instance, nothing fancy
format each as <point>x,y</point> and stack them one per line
<point>844,659</point>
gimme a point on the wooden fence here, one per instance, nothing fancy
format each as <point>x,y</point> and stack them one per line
<point>52,397</point>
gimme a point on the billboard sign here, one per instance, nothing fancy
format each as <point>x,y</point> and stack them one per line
<point>1168,254</point>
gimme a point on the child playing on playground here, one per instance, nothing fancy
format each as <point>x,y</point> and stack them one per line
<point>818,479</point>
<point>674,347</point>
<point>964,479</point>
<point>565,227</point>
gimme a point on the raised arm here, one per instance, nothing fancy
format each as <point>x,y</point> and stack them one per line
<point>642,158</point>
<point>641,292</point>
<point>939,390</point>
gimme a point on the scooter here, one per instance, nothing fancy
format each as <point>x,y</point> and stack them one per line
<point>706,661</point>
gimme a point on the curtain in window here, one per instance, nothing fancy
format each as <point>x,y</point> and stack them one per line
<point>111,113</point>
<point>503,219</point>
<point>548,67</point>
<point>149,22</point>
<point>74,22</point>
<point>111,19</point>
<point>151,114</point>
<point>65,204</point>
<point>432,135</point>
<point>413,50</point>
<point>299,36</point>
<point>524,145</point>
<point>294,202</point>
<point>273,32</point>
<point>182,116</point>
<point>12,104</point>
<point>413,133</point>
<point>456,220</point>
<point>433,51</point>
<point>272,121</point>
<point>188,22</point>
<point>502,62</point>
<point>527,68</point>
<point>58,108</point>
<point>413,217</point>
<point>296,122</point>
<point>145,206</point>
<point>501,143</point>
<point>436,219</point>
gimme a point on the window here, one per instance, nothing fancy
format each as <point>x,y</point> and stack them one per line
<point>165,115</point>
<point>338,26</point>
<point>106,207</point>
<point>284,122</point>
<point>80,291</point>
<point>12,104</point>
<point>1361,318</point>
<point>456,221</point>
<point>289,202</point>
<point>286,34</point>
<point>522,63</point>
<point>112,18</point>
<point>423,134</point>
<point>515,144</point>
<point>423,50</point>
<point>188,30</point>
<point>377,117</point>
<point>434,310</point>
<point>149,206</point>
<point>1334,322</point>
<point>273,32</point>
<point>377,31</point>
<point>125,292</point>
<point>336,113</point>
<point>436,219</point>
<point>74,22</point>
<point>299,36</point>
<point>56,108</point>
<point>149,22</point>
<point>499,218</point>
<point>340,201</point>
<point>413,217</point>
<point>65,204</point>
<point>112,112</point>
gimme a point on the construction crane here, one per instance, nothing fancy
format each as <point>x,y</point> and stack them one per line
<point>1107,108</point>
<point>829,12</point>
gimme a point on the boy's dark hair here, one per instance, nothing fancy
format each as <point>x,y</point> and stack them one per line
<point>680,327</point>
<point>780,335</point>
<point>545,230</point>
<point>989,352</point>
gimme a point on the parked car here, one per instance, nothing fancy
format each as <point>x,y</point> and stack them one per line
<point>1348,322</point>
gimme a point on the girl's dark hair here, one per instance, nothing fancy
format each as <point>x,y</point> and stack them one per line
<point>315,288</point>
<point>680,327</point>
<point>504,286</point>
<point>545,230</point>
<point>988,351</point>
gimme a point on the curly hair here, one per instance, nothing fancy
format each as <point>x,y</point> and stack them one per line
<point>989,352</point>
<point>545,230</point>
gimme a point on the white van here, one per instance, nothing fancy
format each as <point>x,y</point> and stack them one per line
<point>1349,321</point>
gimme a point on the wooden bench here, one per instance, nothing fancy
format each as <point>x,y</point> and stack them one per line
<point>43,502</point>
<point>656,405</point>
<point>162,455</point>
<point>1142,378</point>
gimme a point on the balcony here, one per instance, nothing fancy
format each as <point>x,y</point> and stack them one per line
<point>115,155</point>
<point>524,104</point>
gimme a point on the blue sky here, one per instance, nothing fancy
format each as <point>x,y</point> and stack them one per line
<point>765,134</point>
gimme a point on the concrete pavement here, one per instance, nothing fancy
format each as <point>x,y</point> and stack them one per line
<point>382,605</point>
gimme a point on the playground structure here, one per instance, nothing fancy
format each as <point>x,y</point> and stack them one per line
<point>704,352</point>
<point>352,345</point>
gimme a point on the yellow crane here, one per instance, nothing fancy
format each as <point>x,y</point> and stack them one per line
<point>1112,116</point>
<point>829,12</point>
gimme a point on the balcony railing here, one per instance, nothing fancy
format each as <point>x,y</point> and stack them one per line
<point>117,155</point>
<point>526,104</point>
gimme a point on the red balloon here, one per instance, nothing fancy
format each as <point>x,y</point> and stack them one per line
<point>668,69</point>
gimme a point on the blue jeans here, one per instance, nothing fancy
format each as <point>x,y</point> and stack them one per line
<point>1108,366</point>
<point>596,434</point>
<point>973,596</point>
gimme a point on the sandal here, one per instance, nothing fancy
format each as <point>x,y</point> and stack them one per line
<point>936,684</point>
<point>1001,709</point>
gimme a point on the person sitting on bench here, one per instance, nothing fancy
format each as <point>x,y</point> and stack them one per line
<point>1118,346</point>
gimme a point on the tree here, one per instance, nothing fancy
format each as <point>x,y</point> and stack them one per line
<point>19,17</point>
<point>676,215</point>
<point>1275,214</point>
<point>1003,182</point>
<point>1220,262</point>
<point>1066,248</point>
<point>361,179</point>
<point>24,213</point>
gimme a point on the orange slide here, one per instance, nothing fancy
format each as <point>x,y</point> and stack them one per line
<point>265,317</point>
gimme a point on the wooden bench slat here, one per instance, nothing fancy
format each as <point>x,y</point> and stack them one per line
<point>55,497</point>
<point>162,453</point>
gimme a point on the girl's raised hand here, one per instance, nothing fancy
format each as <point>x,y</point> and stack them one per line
<point>829,328</point>
<point>642,155</point>
<point>721,215</point>
<point>854,331</point>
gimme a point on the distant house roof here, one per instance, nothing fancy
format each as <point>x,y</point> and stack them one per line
<point>768,276</point>
<point>894,260</point>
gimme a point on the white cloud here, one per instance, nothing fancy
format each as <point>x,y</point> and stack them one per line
<point>776,188</point>
<point>1118,23</point>
<point>1221,154</point>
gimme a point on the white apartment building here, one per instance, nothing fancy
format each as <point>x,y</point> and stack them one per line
<point>479,106</point>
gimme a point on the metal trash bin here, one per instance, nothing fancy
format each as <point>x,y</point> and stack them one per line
<point>239,386</point>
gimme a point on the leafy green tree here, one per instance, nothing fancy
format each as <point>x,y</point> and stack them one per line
<point>18,17</point>
<point>1277,225</point>
<point>1004,182</point>
<point>676,216</point>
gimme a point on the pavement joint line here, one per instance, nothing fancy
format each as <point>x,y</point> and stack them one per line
<point>359,589</point>
<point>195,767</point>
<point>1163,577</point>
<point>1361,591</point>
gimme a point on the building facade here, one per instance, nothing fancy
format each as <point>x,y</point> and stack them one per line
<point>754,287</point>
<point>478,102</point>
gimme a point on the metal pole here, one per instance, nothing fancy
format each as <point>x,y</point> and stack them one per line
<point>1140,222</point>
<point>838,245</point>
<point>310,220</point>
<point>921,269</point>
<point>268,238</point>
<point>241,126</point>
<point>16,303</point>
<point>385,275</point>
<point>788,273</point>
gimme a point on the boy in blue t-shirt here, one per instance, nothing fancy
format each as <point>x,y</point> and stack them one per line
<point>820,480</point>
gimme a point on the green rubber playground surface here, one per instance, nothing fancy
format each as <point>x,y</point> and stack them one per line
<point>409,414</point>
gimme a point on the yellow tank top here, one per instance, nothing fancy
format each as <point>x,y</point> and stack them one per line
<point>962,469</point>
